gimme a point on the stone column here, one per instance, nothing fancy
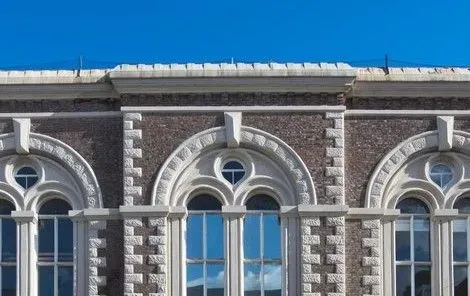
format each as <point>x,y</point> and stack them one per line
<point>26,223</point>
<point>442,220</point>
<point>233,222</point>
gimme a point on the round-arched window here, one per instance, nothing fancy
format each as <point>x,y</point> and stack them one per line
<point>233,171</point>
<point>441,174</point>
<point>26,177</point>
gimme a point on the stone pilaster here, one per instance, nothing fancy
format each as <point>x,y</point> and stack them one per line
<point>157,240</point>
<point>309,258</point>
<point>131,151</point>
<point>335,157</point>
<point>130,259</point>
<point>373,260</point>
<point>338,259</point>
<point>96,260</point>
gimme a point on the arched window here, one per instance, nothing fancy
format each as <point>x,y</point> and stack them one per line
<point>7,249</point>
<point>413,249</point>
<point>461,247</point>
<point>55,250</point>
<point>262,247</point>
<point>205,258</point>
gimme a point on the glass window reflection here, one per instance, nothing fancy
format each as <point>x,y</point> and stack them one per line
<point>461,244</point>
<point>55,258</point>
<point>413,249</point>
<point>205,262</point>
<point>8,249</point>
<point>262,247</point>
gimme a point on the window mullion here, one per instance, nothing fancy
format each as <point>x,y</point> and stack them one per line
<point>412,253</point>
<point>261,238</point>
<point>204,252</point>
<point>468,259</point>
<point>56,250</point>
<point>1,253</point>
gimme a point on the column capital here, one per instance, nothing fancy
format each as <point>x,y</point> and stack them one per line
<point>24,216</point>
<point>233,211</point>
<point>443,215</point>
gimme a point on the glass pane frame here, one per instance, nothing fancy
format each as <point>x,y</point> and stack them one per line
<point>461,263</point>
<point>205,262</point>
<point>412,263</point>
<point>261,261</point>
<point>56,264</point>
<point>7,264</point>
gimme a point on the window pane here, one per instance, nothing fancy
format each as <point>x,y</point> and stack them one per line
<point>55,207</point>
<point>46,280</point>
<point>194,236</point>
<point>204,202</point>
<point>262,202</point>
<point>46,240</point>
<point>403,281</point>
<point>422,280</point>
<point>65,283</point>
<point>252,280</point>
<point>65,240</point>
<point>195,280</point>
<point>460,280</point>
<point>422,239</point>
<point>8,240</point>
<point>8,281</point>
<point>402,238</point>
<point>237,176</point>
<point>215,236</point>
<point>463,205</point>
<point>460,240</point>
<point>6,207</point>
<point>412,206</point>
<point>272,279</point>
<point>215,280</point>
<point>272,237</point>
<point>251,237</point>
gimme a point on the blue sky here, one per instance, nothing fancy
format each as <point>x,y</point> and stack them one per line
<point>53,34</point>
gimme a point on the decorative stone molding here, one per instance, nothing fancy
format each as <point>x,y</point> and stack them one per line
<point>392,162</point>
<point>96,241</point>
<point>251,138</point>
<point>233,124</point>
<point>445,129</point>
<point>68,157</point>
<point>373,260</point>
<point>21,127</point>
<point>131,150</point>
<point>336,156</point>
<point>338,278</point>
<point>310,258</point>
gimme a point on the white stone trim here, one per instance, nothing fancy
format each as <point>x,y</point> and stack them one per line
<point>400,154</point>
<point>252,138</point>
<point>244,109</point>
<point>53,115</point>
<point>404,113</point>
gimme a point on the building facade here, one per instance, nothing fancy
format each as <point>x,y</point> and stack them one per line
<point>235,179</point>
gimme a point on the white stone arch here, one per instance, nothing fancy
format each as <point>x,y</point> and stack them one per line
<point>48,147</point>
<point>406,150</point>
<point>250,138</point>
